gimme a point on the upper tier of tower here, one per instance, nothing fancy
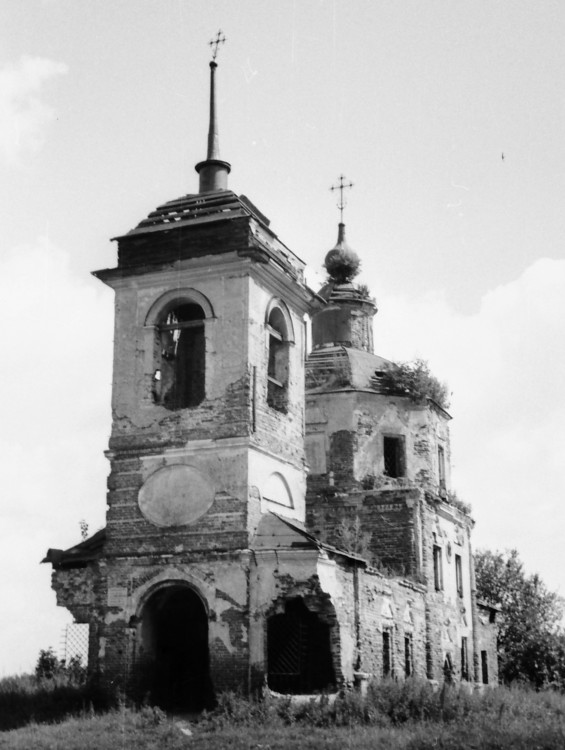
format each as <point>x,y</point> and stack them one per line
<point>347,317</point>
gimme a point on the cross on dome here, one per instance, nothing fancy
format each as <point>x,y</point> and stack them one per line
<point>341,186</point>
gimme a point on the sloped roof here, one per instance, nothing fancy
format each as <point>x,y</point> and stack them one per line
<point>197,208</point>
<point>277,532</point>
<point>79,555</point>
<point>343,367</point>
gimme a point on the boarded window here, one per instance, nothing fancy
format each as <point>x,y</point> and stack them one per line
<point>277,365</point>
<point>393,450</point>
<point>448,669</point>
<point>438,568</point>
<point>408,668</point>
<point>441,466</point>
<point>179,380</point>
<point>484,667</point>
<point>298,651</point>
<point>459,574</point>
<point>387,653</point>
<point>464,660</point>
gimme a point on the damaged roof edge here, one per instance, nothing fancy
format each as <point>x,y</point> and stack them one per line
<point>318,543</point>
<point>86,551</point>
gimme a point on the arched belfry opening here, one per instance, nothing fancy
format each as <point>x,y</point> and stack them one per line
<point>174,650</point>
<point>299,656</point>
<point>179,379</point>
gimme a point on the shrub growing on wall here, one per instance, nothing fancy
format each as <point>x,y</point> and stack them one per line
<point>415,380</point>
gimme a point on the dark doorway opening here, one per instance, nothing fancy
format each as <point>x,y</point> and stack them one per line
<point>298,651</point>
<point>174,639</point>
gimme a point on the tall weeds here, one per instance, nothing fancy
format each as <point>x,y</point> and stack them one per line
<point>27,698</point>
<point>391,703</point>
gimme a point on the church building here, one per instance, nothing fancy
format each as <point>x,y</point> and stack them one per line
<point>275,518</point>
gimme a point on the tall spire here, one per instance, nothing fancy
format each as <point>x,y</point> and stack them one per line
<point>213,171</point>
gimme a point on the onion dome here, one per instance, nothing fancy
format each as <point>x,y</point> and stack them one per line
<point>342,263</point>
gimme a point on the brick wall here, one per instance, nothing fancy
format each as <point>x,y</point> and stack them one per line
<point>386,516</point>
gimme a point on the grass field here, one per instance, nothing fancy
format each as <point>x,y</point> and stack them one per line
<point>399,716</point>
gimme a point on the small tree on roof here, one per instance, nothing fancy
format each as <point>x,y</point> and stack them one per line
<point>415,380</point>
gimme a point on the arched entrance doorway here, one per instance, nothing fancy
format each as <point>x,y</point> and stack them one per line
<point>174,649</point>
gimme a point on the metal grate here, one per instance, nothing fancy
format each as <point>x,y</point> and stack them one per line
<point>288,639</point>
<point>74,645</point>
<point>298,651</point>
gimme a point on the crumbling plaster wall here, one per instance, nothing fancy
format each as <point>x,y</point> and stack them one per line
<point>82,591</point>
<point>348,324</point>
<point>223,525</point>
<point>280,433</point>
<point>222,584</point>
<point>450,616</point>
<point>364,602</point>
<point>487,631</point>
<point>354,423</point>
<point>279,575</point>
<point>215,436</point>
<point>402,527</point>
<point>236,299</point>
<point>225,410</point>
<point>397,606</point>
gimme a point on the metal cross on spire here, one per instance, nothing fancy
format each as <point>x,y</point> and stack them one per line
<point>215,43</point>
<point>341,186</point>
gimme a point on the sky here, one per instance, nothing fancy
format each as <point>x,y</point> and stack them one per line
<point>447,116</point>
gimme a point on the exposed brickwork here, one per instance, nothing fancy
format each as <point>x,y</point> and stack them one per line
<point>388,516</point>
<point>184,242</point>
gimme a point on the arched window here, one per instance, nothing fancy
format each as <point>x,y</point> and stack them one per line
<point>179,379</point>
<point>277,368</point>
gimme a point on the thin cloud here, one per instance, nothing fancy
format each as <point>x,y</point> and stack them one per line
<point>23,115</point>
<point>56,419</point>
<point>505,367</point>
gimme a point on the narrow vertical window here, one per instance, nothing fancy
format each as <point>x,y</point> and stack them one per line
<point>408,669</point>
<point>179,380</point>
<point>387,653</point>
<point>441,466</point>
<point>277,365</point>
<point>438,568</point>
<point>459,575</point>
<point>464,659</point>
<point>484,667</point>
<point>393,452</point>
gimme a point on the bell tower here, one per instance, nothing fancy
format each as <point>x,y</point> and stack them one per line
<point>208,385</point>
